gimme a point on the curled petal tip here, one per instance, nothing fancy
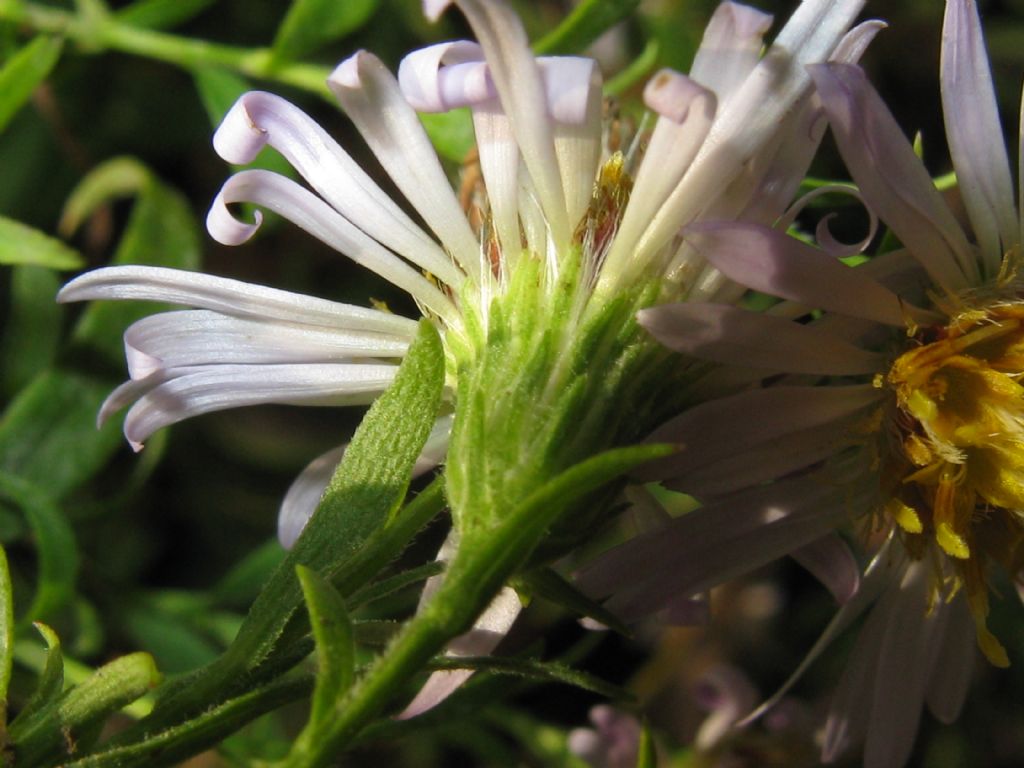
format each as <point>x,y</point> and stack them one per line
<point>433,9</point>
<point>225,228</point>
<point>239,139</point>
<point>346,74</point>
<point>671,95</point>
<point>568,83</point>
<point>445,76</point>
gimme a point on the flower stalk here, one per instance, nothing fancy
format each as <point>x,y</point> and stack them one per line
<point>100,31</point>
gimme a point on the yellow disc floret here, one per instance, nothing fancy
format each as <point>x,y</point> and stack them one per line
<point>956,474</point>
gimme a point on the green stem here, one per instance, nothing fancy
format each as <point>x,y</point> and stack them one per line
<point>99,31</point>
<point>474,577</point>
<point>485,560</point>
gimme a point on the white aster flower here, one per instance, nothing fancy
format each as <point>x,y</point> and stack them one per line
<point>899,407</point>
<point>732,139</point>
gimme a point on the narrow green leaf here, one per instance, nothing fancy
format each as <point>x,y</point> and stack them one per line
<point>588,21</point>
<point>32,331</point>
<point>536,513</point>
<point>88,704</point>
<point>116,178</point>
<point>161,14</point>
<point>647,756</point>
<point>309,24</point>
<point>55,546</point>
<point>367,488</point>
<point>51,680</point>
<point>550,585</point>
<point>6,635</point>
<point>335,649</point>
<point>48,434</point>
<point>23,72</point>
<point>161,231</point>
<point>542,671</point>
<point>388,586</point>
<point>21,244</point>
<point>451,133</point>
<point>204,730</point>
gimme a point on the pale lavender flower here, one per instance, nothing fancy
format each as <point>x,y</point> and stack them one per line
<point>899,407</point>
<point>613,742</point>
<point>734,134</point>
<point>732,139</point>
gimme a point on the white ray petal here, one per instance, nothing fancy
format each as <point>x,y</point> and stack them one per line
<point>730,48</point>
<point>200,337</point>
<point>687,111</point>
<point>522,93</point>
<point>891,177</point>
<point>306,210</point>
<point>954,664</point>
<point>710,432</point>
<point>371,97</point>
<point>183,393</point>
<point>573,86</point>
<point>445,76</point>
<point>228,296</point>
<point>499,164</point>
<point>488,630</point>
<point>831,562</point>
<point>258,119</point>
<point>753,116</point>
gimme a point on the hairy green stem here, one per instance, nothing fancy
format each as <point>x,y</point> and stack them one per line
<point>474,577</point>
<point>104,31</point>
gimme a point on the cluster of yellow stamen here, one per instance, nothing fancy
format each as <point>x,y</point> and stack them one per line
<point>956,477</point>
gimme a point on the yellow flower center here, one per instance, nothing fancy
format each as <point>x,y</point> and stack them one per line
<point>956,477</point>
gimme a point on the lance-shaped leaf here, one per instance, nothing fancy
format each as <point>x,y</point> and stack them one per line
<point>32,329</point>
<point>48,433</point>
<point>23,72</point>
<point>646,756</point>
<point>335,649</point>
<point>56,550</point>
<point>21,244</point>
<point>50,683</point>
<point>552,586</point>
<point>537,671</point>
<point>362,497</point>
<point>310,24</point>
<point>587,22</point>
<point>54,731</point>
<point>161,14</point>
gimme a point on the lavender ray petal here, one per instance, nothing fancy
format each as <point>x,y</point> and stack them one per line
<point>726,334</point>
<point>831,562</point>
<point>771,261</point>
<point>975,134</point>
<point>891,177</point>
